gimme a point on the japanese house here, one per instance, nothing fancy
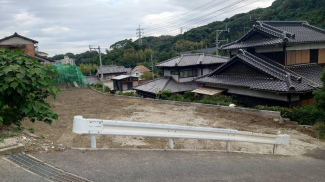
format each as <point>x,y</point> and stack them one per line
<point>139,70</point>
<point>111,71</point>
<point>27,45</point>
<point>179,73</point>
<point>124,82</point>
<point>275,63</point>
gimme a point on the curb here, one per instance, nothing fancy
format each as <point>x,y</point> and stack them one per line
<point>172,150</point>
<point>17,149</point>
<point>237,109</point>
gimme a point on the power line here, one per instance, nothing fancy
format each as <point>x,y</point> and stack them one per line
<point>209,15</point>
<point>190,15</point>
<point>233,6</point>
<point>180,20</point>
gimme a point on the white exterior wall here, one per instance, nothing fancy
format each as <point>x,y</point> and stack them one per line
<point>15,40</point>
<point>135,73</point>
<point>188,79</point>
<point>254,93</point>
<point>67,60</point>
<point>206,71</point>
<point>167,72</point>
<point>306,46</point>
<point>291,48</point>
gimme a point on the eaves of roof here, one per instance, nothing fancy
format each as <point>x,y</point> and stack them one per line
<point>20,36</point>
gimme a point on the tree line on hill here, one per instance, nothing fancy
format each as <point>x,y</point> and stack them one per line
<point>129,53</point>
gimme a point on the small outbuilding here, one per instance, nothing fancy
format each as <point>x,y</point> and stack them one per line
<point>125,82</point>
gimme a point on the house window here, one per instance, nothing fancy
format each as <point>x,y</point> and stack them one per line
<point>188,73</point>
<point>137,74</point>
<point>108,77</point>
<point>211,69</point>
<point>174,72</point>
<point>314,56</point>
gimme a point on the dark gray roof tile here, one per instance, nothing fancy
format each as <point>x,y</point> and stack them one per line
<point>291,32</point>
<point>165,83</point>
<point>300,78</point>
<point>193,60</point>
<point>114,69</point>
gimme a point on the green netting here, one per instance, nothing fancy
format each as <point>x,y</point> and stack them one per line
<point>69,74</point>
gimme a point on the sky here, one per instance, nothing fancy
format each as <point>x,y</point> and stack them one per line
<point>62,26</point>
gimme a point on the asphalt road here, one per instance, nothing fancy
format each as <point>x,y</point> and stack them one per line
<point>151,165</point>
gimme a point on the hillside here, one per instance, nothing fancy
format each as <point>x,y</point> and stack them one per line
<point>129,53</point>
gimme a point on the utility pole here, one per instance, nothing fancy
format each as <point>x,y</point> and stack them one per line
<point>153,77</point>
<point>101,66</point>
<point>217,38</point>
<point>181,30</point>
<point>140,35</point>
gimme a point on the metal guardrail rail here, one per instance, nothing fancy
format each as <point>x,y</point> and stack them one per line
<point>95,127</point>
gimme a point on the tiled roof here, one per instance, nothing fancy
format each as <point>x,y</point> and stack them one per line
<point>20,36</point>
<point>193,60</point>
<point>300,78</point>
<point>166,83</point>
<point>114,69</point>
<point>92,79</point>
<point>289,32</point>
<point>142,69</point>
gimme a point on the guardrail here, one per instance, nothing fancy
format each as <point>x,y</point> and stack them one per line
<point>95,127</point>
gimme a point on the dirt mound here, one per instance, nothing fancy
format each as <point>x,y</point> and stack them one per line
<point>91,104</point>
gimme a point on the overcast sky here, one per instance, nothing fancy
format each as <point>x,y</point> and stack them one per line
<point>62,26</point>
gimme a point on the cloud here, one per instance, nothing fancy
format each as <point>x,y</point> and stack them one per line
<point>63,26</point>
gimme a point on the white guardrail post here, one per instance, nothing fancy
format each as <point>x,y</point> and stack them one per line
<point>95,127</point>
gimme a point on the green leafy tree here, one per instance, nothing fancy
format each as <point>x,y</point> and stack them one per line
<point>319,95</point>
<point>24,87</point>
<point>148,75</point>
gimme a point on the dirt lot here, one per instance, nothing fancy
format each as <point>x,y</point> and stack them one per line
<point>91,104</point>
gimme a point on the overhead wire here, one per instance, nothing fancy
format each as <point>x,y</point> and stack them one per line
<point>207,19</point>
<point>198,20</point>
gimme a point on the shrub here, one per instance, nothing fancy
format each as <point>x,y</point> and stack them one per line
<point>98,85</point>
<point>319,128</point>
<point>308,115</point>
<point>175,97</point>
<point>189,95</point>
<point>320,94</point>
<point>131,94</point>
<point>107,89</point>
<point>166,94</point>
<point>25,85</point>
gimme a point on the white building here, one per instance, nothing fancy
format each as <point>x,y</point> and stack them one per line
<point>66,60</point>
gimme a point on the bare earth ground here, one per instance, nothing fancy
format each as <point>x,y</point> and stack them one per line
<point>90,104</point>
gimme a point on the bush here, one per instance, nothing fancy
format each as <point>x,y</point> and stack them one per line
<point>189,95</point>
<point>107,89</point>
<point>131,94</point>
<point>166,94</point>
<point>306,115</point>
<point>98,85</point>
<point>319,128</point>
<point>25,85</point>
<point>175,97</point>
